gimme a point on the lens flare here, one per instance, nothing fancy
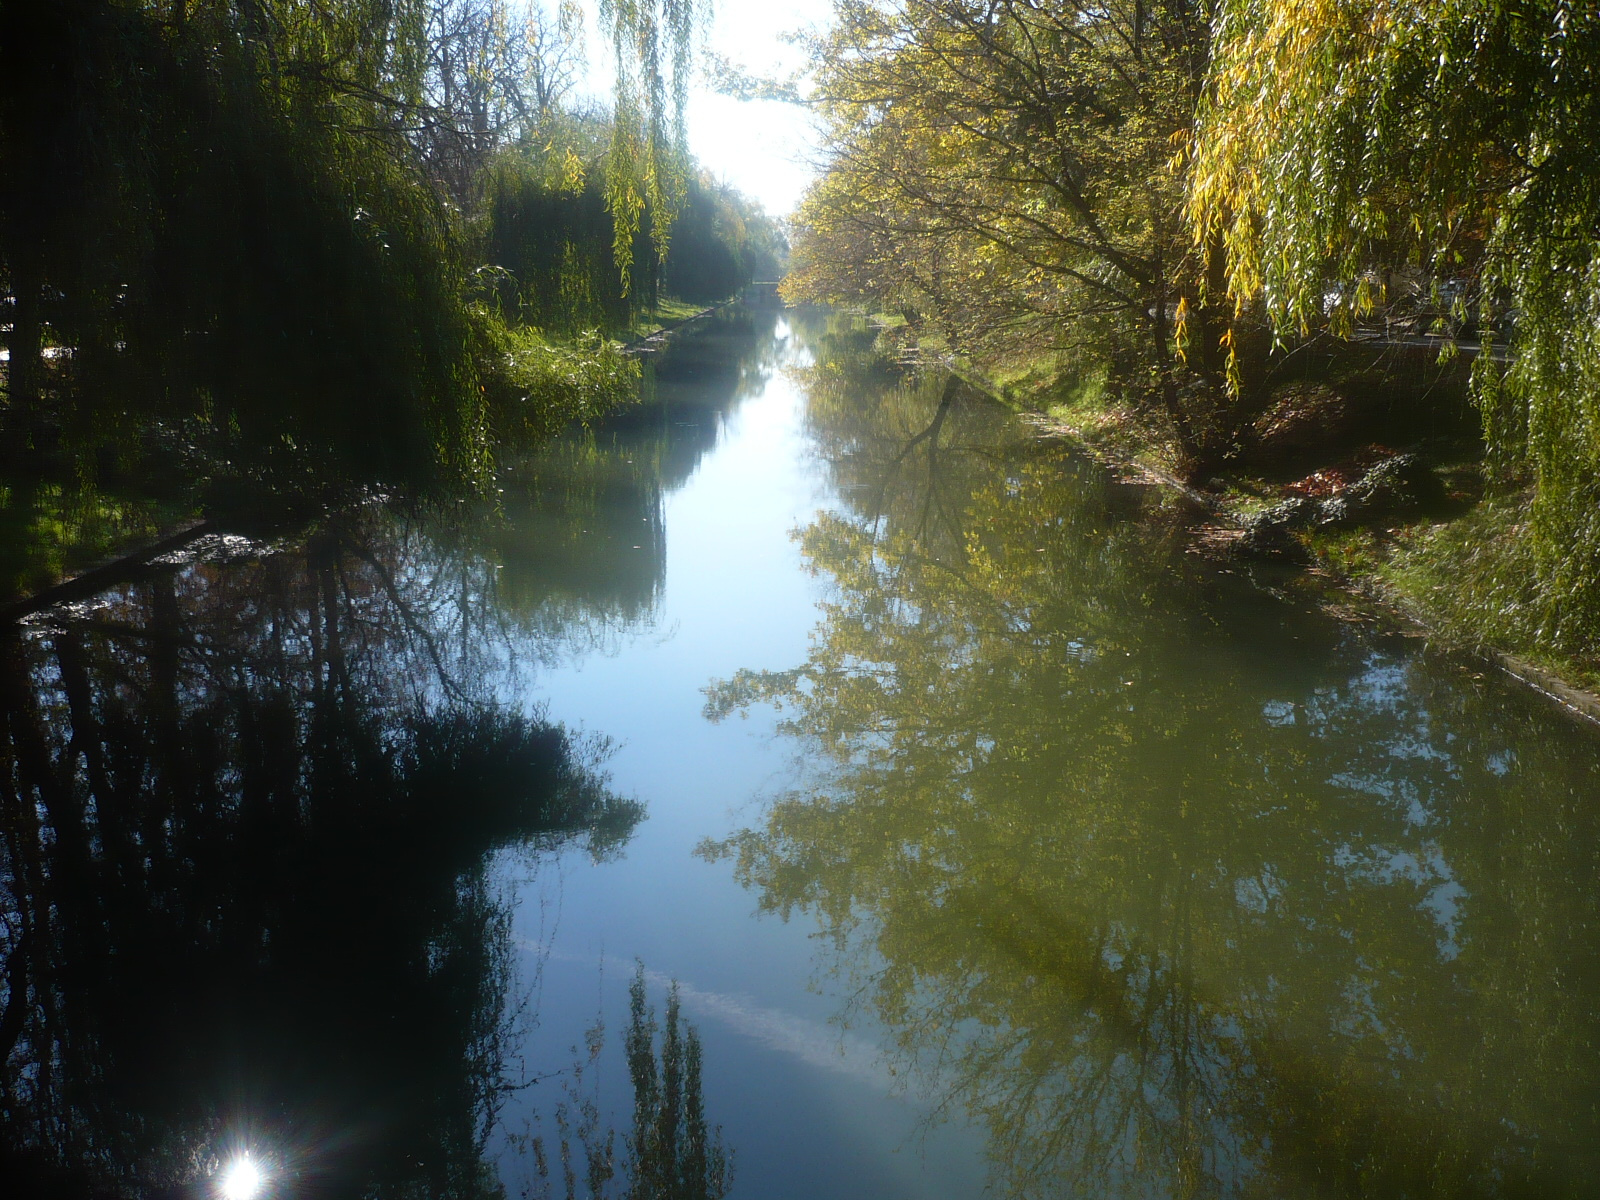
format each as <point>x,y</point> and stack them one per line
<point>241,1180</point>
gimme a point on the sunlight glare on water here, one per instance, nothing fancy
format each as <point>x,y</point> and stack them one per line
<point>241,1179</point>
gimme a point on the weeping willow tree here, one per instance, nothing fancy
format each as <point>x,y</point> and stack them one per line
<point>234,248</point>
<point>647,163</point>
<point>235,240</point>
<point>210,224</point>
<point>1341,139</point>
<point>550,237</point>
<point>549,229</point>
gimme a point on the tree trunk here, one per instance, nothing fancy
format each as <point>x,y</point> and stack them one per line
<point>25,374</point>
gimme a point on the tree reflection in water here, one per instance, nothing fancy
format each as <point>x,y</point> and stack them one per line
<point>578,533</point>
<point>250,815</point>
<point>249,818</point>
<point>1177,890</point>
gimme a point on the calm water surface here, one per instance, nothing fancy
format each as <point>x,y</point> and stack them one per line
<point>996,843</point>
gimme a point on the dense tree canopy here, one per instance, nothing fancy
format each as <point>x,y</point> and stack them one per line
<point>1004,168</point>
<point>1342,141</point>
<point>210,207</point>
<point>267,248</point>
<point>493,75</point>
<point>549,238</point>
<point>1194,203</point>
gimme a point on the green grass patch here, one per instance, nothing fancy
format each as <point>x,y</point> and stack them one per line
<point>665,315</point>
<point>536,385</point>
<point>1047,382</point>
<point>1474,579</point>
<point>50,532</point>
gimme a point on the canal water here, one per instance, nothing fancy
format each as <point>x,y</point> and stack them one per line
<point>988,840</point>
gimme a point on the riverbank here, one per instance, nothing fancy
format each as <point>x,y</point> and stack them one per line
<point>1449,576</point>
<point>652,336</point>
<point>60,558</point>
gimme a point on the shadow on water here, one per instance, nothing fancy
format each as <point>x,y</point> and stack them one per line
<point>249,813</point>
<point>1173,889</point>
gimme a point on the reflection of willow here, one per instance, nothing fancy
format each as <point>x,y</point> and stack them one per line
<point>582,543</point>
<point>579,539</point>
<point>672,1152</point>
<point>247,894</point>
<point>1176,892</point>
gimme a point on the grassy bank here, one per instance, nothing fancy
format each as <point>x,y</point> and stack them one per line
<point>74,499</point>
<point>1469,581</point>
<point>1463,574</point>
<point>667,314</point>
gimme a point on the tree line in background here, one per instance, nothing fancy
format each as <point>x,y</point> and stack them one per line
<point>371,238</point>
<point>1182,205</point>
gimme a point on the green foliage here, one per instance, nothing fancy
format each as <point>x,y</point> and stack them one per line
<point>550,231</point>
<point>535,387</point>
<point>1004,172</point>
<point>1481,581</point>
<point>647,162</point>
<point>235,241</point>
<point>1344,139</point>
<point>568,554</point>
<point>496,73</point>
<point>720,242</point>
<point>225,231</point>
<point>49,529</point>
<point>673,1154</point>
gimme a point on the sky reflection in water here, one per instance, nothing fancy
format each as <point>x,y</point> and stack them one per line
<point>1154,883</point>
<point>1079,866</point>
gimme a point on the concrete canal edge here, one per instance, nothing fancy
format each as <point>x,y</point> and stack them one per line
<point>653,343</point>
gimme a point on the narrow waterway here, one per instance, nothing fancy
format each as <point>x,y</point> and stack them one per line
<point>994,842</point>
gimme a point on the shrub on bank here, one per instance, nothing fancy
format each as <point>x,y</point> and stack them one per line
<point>534,386</point>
